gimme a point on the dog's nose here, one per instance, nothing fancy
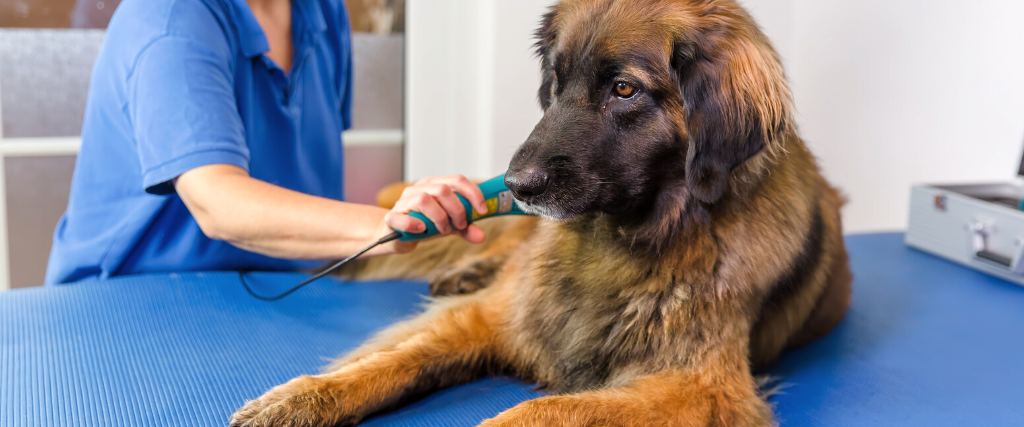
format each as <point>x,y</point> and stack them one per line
<point>528,184</point>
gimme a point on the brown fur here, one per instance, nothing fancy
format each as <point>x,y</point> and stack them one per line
<point>656,322</point>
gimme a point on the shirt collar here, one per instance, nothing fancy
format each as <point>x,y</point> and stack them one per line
<point>251,38</point>
<point>312,16</point>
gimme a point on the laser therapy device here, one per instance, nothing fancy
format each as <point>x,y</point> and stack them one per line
<point>499,202</point>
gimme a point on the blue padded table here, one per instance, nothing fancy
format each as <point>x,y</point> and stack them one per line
<point>926,343</point>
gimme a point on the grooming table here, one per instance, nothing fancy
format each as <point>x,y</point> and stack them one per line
<point>926,343</point>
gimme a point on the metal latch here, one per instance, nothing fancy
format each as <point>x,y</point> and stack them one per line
<point>979,244</point>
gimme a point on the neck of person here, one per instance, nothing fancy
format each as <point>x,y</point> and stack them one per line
<point>267,4</point>
<point>275,18</point>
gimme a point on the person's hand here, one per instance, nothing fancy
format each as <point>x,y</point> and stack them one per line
<point>436,199</point>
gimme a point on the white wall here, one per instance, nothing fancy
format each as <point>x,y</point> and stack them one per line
<point>896,92</point>
<point>889,92</point>
<point>516,76</point>
<point>446,50</point>
<point>471,84</point>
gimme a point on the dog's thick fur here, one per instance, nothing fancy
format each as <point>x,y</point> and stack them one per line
<point>686,240</point>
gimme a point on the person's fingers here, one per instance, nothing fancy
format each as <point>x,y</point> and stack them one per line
<point>402,222</point>
<point>473,234</point>
<point>427,205</point>
<point>408,194</point>
<point>409,198</point>
<point>436,198</point>
<point>418,199</point>
<point>467,189</point>
<point>448,200</point>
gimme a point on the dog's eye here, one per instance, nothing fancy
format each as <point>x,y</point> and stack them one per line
<point>624,90</point>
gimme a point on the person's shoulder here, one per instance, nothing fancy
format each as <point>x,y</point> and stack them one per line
<point>139,23</point>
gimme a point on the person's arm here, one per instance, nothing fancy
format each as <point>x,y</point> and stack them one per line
<point>230,205</point>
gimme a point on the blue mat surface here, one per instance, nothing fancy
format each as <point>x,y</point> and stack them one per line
<point>926,343</point>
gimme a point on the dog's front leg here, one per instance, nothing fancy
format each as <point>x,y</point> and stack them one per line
<point>670,398</point>
<point>441,348</point>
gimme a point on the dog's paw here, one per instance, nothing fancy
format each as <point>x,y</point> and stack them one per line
<point>553,411</point>
<point>302,402</point>
<point>475,276</point>
<point>455,283</point>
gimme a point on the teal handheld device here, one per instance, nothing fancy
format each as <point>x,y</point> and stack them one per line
<point>499,202</point>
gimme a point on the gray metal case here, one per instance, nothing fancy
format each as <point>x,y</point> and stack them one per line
<point>979,226</point>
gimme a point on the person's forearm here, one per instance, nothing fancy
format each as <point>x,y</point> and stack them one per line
<point>274,221</point>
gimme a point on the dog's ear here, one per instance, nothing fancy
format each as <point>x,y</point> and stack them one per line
<point>735,96</point>
<point>545,40</point>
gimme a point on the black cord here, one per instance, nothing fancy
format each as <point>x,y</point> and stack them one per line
<point>339,264</point>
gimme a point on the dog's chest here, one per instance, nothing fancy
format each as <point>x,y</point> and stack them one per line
<point>586,329</point>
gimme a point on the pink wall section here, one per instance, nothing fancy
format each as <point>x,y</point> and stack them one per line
<point>368,169</point>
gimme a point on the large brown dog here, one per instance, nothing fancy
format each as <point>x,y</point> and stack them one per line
<point>686,240</point>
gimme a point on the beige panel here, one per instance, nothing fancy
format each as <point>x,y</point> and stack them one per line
<point>372,16</point>
<point>36,13</point>
<point>377,16</point>
<point>37,194</point>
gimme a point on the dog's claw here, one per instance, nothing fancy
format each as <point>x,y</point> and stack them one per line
<point>298,403</point>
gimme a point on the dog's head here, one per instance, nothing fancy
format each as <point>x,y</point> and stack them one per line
<point>647,103</point>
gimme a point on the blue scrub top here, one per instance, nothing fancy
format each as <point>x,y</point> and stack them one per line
<point>180,84</point>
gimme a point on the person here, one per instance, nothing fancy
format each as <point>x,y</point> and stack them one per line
<point>212,141</point>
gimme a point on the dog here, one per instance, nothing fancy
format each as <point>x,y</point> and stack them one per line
<point>685,239</point>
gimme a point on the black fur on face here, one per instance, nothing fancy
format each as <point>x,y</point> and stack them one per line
<point>602,148</point>
<point>645,120</point>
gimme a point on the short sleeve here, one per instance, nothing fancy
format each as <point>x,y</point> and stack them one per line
<point>183,110</point>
